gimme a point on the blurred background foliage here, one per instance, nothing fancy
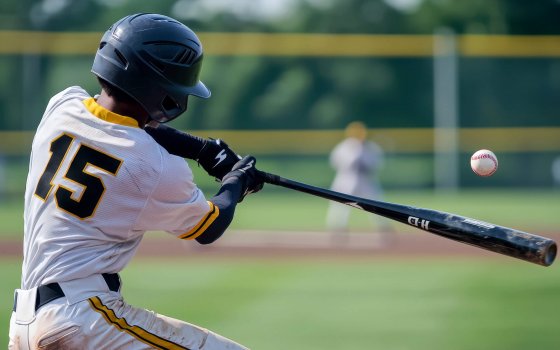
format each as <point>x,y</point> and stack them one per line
<point>318,92</point>
<point>291,92</point>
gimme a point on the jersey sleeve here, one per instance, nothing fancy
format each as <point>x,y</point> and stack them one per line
<point>176,204</point>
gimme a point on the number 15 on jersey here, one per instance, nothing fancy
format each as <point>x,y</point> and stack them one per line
<point>77,172</point>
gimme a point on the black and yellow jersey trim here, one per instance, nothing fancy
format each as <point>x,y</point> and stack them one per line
<point>203,224</point>
<point>105,114</point>
<point>137,332</point>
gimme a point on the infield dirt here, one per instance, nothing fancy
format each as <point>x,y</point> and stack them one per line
<point>275,244</point>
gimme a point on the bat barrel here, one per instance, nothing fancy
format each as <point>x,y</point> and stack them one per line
<point>542,251</point>
<point>498,239</point>
<point>513,243</point>
<point>532,248</point>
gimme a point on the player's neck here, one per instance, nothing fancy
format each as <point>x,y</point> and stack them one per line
<point>123,108</point>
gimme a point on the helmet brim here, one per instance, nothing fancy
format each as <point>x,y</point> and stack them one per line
<point>200,90</point>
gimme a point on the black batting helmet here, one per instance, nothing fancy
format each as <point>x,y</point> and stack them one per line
<point>154,59</point>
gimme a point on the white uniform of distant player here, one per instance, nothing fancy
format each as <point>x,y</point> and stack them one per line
<point>88,161</point>
<point>357,162</point>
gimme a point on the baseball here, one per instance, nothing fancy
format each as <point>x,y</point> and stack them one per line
<point>484,162</point>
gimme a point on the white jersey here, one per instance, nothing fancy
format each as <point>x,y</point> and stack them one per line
<point>97,182</point>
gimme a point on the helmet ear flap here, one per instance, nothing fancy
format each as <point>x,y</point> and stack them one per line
<point>171,106</point>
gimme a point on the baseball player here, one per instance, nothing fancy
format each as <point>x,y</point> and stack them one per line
<point>356,162</point>
<point>98,181</point>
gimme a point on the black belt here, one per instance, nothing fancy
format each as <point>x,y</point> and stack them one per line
<point>49,292</point>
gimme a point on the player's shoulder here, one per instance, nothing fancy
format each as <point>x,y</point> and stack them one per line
<point>173,164</point>
<point>348,143</point>
<point>155,156</point>
<point>70,93</point>
<point>158,172</point>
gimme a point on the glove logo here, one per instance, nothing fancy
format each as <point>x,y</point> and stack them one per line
<point>220,157</point>
<point>248,166</point>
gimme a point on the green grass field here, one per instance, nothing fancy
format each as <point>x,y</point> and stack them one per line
<point>367,303</point>
<point>348,304</point>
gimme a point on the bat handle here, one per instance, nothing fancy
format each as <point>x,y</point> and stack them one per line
<point>268,177</point>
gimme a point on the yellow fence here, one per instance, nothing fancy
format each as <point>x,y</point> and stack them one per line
<point>333,45</point>
<point>417,140</point>
<point>310,142</point>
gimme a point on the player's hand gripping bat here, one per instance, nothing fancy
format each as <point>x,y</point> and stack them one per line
<point>503,240</point>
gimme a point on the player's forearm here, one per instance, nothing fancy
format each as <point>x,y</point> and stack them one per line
<point>176,142</point>
<point>214,155</point>
<point>226,200</point>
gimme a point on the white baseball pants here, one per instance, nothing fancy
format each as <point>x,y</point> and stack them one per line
<point>90,316</point>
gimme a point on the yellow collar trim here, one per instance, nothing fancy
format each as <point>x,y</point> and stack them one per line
<point>105,114</point>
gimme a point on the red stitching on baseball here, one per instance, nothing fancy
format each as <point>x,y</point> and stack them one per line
<point>486,156</point>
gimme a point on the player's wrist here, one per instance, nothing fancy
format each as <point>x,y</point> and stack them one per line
<point>217,158</point>
<point>245,174</point>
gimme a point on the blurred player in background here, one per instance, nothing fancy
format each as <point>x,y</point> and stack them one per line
<point>357,162</point>
<point>98,180</point>
<point>556,171</point>
<point>2,177</point>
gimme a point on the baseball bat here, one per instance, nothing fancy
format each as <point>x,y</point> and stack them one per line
<point>498,239</point>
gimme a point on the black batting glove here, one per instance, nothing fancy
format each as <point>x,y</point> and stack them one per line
<point>244,171</point>
<point>217,158</point>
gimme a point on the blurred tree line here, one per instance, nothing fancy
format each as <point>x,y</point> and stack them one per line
<point>295,92</point>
